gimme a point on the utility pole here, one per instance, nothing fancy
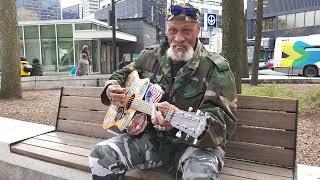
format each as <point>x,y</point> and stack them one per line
<point>113,19</point>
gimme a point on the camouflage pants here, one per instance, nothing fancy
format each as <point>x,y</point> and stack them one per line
<point>111,158</point>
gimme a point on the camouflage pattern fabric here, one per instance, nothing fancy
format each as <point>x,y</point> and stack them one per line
<point>111,158</point>
<point>205,82</point>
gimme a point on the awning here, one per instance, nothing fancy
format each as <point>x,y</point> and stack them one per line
<point>103,36</point>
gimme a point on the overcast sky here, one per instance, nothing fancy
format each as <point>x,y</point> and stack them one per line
<point>66,3</point>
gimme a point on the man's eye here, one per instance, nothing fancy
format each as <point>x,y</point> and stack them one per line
<point>172,31</point>
<point>187,30</point>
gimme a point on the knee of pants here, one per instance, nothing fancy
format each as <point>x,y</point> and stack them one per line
<point>103,161</point>
<point>197,170</point>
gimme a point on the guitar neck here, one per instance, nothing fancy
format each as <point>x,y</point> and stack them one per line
<point>150,108</point>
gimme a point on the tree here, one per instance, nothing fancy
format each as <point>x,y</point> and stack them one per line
<point>245,70</point>
<point>257,44</point>
<point>232,37</point>
<point>10,50</point>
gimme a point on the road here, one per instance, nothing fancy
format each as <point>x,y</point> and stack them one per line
<point>269,76</point>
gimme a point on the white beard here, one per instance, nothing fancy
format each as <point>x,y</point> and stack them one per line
<point>180,56</point>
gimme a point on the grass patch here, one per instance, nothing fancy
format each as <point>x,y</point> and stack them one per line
<point>308,100</point>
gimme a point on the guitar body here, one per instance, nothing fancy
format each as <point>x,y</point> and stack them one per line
<point>119,116</point>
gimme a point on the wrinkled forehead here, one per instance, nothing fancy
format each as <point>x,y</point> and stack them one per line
<point>181,24</point>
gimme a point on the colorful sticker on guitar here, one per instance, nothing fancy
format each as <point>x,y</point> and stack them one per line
<point>154,93</point>
<point>137,124</point>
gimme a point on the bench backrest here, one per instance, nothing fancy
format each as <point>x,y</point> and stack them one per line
<point>266,129</point>
<point>81,112</point>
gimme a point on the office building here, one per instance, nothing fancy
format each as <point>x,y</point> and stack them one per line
<point>28,10</point>
<point>71,12</point>
<point>88,7</point>
<point>152,10</point>
<point>285,18</point>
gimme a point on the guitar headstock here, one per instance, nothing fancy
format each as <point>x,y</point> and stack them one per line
<point>191,123</point>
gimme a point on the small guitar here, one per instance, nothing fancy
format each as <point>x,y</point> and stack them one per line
<point>132,117</point>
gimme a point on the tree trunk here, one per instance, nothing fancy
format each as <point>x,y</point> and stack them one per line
<point>10,50</point>
<point>245,70</point>
<point>257,44</point>
<point>231,39</point>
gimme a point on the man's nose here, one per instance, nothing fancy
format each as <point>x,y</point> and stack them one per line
<point>179,37</point>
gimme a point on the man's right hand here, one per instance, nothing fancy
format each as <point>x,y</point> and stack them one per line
<point>116,94</point>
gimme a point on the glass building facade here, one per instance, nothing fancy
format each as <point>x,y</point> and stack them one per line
<point>33,10</point>
<point>55,45</point>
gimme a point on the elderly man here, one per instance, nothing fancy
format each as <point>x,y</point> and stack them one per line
<point>190,76</point>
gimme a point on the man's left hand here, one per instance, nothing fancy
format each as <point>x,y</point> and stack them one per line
<point>159,119</point>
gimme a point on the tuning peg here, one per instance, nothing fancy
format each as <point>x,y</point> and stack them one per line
<point>199,112</point>
<point>187,137</point>
<point>179,134</point>
<point>195,141</point>
<point>190,109</point>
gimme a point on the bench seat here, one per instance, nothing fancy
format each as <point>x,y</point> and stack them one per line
<point>72,150</point>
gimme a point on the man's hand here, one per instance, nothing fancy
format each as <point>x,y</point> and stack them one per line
<point>116,94</point>
<point>159,119</point>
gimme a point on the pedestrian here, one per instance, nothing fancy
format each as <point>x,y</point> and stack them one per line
<point>37,69</point>
<point>83,67</point>
<point>25,67</point>
<point>190,76</point>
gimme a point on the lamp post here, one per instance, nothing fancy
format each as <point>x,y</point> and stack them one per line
<point>113,20</point>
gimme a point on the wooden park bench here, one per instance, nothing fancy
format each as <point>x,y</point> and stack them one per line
<point>263,147</point>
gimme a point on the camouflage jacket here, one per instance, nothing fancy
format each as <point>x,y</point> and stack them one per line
<point>205,82</point>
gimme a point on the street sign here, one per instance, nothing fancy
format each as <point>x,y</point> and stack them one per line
<point>209,21</point>
<point>212,20</point>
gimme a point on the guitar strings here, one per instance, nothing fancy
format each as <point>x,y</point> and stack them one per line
<point>165,112</point>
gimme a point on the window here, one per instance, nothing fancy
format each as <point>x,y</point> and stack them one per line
<point>299,19</point>
<point>48,47</point>
<point>290,21</point>
<point>263,25</point>
<point>282,22</point>
<point>317,18</point>
<point>65,47</point>
<point>309,19</point>
<point>31,38</point>
<point>269,24</point>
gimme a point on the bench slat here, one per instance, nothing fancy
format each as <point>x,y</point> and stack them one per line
<point>83,103</point>
<point>284,172</point>
<point>58,147</point>
<point>57,157</point>
<point>231,177</point>
<point>267,103</point>
<point>76,143</point>
<point>251,174</point>
<point>82,91</point>
<point>83,128</point>
<point>271,137</point>
<point>268,119</point>
<point>82,115</point>
<point>265,154</point>
<point>74,137</point>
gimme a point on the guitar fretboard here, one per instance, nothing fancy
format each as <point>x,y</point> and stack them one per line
<point>150,108</point>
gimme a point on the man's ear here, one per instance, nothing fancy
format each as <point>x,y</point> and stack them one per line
<point>198,28</point>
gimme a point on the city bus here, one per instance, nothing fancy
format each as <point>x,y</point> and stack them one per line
<point>298,55</point>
